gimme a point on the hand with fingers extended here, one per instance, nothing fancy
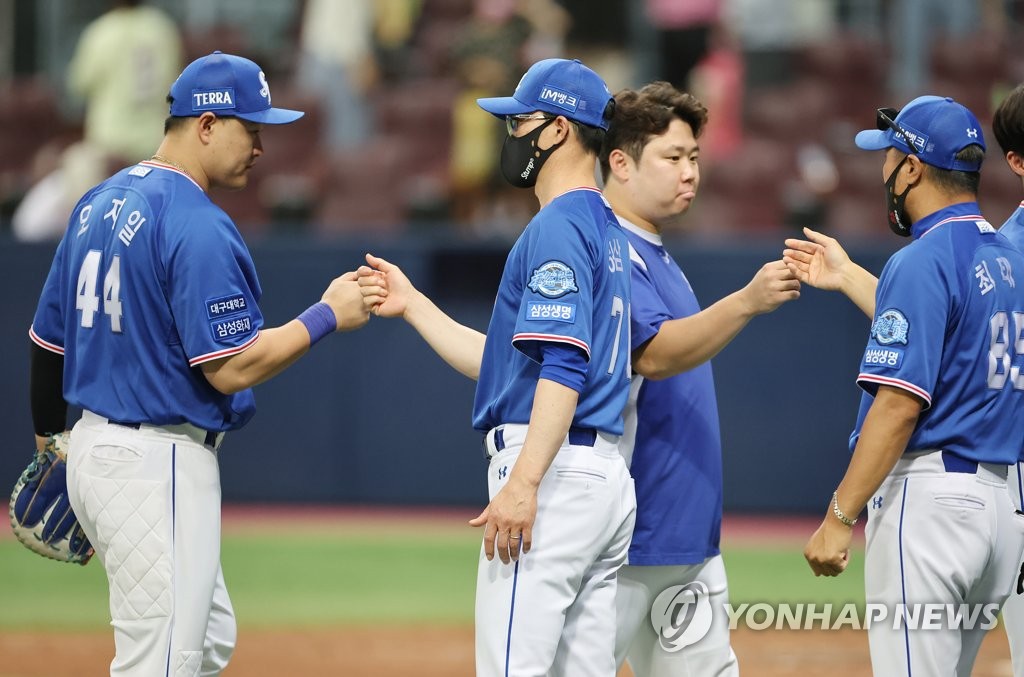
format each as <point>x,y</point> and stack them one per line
<point>385,286</point>
<point>508,521</point>
<point>346,299</point>
<point>828,550</point>
<point>819,261</point>
<point>773,285</point>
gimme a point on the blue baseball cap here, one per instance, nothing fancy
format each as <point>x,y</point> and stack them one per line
<point>559,87</point>
<point>934,128</point>
<point>227,85</point>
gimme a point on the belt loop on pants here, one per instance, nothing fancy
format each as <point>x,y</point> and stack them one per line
<point>954,463</point>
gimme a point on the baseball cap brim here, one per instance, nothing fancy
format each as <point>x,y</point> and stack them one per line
<point>873,139</point>
<point>272,116</point>
<point>501,106</point>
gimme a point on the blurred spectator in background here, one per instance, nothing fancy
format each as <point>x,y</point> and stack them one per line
<point>500,39</point>
<point>683,34</point>
<point>913,27</point>
<point>718,81</point>
<point>337,66</point>
<point>123,65</point>
<point>60,177</point>
<point>395,24</point>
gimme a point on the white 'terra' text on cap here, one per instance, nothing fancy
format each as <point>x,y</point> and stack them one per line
<point>218,99</point>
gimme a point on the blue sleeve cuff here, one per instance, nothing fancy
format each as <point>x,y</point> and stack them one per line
<point>564,364</point>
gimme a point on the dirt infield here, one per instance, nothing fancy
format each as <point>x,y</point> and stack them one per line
<point>447,652</point>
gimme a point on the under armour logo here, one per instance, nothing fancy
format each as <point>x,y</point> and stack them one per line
<point>1020,581</point>
<point>972,133</point>
<point>502,472</point>
<point>876,502</point>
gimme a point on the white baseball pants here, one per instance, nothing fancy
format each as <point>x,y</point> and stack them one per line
<point>1013,608</point>
<point>553,612</point>
<point>149,501</point>
<point>936,537</point>
<point>637,641</point>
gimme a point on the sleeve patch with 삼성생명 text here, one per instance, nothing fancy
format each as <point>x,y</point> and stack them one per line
<point>561,312</point>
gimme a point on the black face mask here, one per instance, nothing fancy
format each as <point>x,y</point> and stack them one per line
<point>899,222</point>
<point>521,160</point>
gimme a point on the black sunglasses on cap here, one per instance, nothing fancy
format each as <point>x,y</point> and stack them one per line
<point>885,119</point>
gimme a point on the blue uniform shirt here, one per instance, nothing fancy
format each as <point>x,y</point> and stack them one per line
<point>672,443</point>
<point>566,281</point>
<point>150,281</point>
<point>948,327</point>
<point>1013,228</point>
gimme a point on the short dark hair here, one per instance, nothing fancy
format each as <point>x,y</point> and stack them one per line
<point>1008,122</point>
<point>172,122</point>
<point>954,182</point>
<point>641,115</point>
<point>592,138</point>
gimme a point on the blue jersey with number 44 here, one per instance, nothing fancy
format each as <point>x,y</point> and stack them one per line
<point>565,281</point>
<point>949,328</point>
<point>150,281</point>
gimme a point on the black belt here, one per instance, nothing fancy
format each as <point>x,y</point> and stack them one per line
<point>953,463</point>
<point>578,437</point>
<point>210,440</point>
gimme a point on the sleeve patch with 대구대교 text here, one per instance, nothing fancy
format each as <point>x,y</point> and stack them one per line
<point>225,305</point>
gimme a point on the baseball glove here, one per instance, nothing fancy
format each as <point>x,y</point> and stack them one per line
<point>41,514</point>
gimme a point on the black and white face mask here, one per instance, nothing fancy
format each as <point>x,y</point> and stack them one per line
<point>899,222</point>
<point>521,159</point>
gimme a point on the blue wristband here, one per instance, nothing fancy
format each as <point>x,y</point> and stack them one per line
<point>319,320</point>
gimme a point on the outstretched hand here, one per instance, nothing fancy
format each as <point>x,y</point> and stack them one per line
<point>350,307</point>
<point>819,261</point>
<point>384,287</point>
<point>773,285</point>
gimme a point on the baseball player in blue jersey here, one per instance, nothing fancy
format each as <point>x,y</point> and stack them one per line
<point>553,376</point>
<point>672,442</point>
<point>149,321</point>
<point>1008,126</point>
<point>941,415</point>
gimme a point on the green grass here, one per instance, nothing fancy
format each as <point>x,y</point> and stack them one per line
<point>781,574</point>
<point>355,578</point>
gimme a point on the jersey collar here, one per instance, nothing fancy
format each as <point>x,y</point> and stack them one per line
<point>161,165</point>
<point>653,238</point>
<point>963,211</point>
<point>593,190</point>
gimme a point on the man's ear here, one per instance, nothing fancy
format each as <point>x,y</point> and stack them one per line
<point>205,125</point>
<point>1016,163</point>
<point>916,167</point>
<point>620,164</point>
